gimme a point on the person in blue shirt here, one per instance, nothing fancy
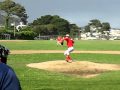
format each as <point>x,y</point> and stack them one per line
<point>8,78</point>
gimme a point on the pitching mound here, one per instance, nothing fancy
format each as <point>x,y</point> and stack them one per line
<point>79,68</point>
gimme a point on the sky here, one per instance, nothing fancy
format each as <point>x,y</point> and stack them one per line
<point>79,12</point>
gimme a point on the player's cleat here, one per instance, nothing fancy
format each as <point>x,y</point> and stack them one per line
<point>70,61</point>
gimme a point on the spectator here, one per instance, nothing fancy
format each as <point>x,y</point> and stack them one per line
<point>8,78</point>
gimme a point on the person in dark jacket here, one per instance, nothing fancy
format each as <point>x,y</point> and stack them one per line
<point>8,78</point>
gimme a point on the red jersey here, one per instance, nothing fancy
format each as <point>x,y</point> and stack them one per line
<point>69,41</point>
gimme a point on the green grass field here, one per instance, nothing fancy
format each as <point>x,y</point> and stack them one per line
<point>35,79</point>
<point>51,45</point>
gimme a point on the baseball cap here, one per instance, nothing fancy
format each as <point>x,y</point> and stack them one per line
<point>67,35</point>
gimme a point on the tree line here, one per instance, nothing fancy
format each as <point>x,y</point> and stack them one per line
<point>44,25</point>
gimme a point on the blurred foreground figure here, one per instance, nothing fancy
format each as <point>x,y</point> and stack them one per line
<point>4,53</point>
<point>8,78</point>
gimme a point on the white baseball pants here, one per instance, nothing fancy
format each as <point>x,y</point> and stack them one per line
<point>67,52</point>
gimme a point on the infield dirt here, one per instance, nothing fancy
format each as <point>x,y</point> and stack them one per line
<point>78,68</point>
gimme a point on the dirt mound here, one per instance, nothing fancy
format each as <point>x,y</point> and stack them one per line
<point>79,68</point>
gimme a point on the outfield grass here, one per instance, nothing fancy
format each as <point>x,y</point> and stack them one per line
<point>51,45</point>
<point>35,79</point>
